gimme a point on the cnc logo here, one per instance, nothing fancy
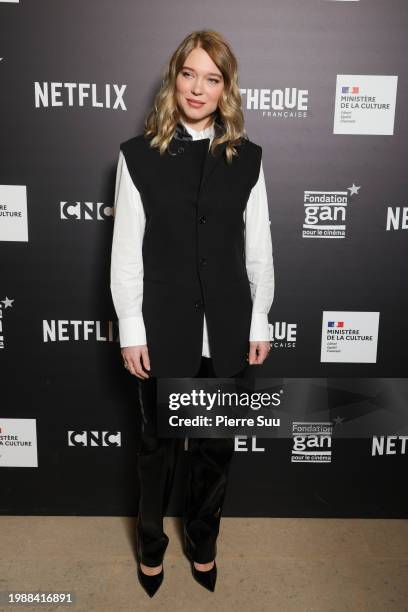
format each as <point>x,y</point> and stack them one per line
<point>79,437</point>
<point>85,211</point>
<point>286,103</point>
<point>79,95</point>
<point>325,212</point>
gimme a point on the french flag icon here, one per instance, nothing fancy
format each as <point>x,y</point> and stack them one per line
<point>353,90</point>
<point>335,324</point>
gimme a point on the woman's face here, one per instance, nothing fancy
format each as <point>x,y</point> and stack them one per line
<point>199,85</point>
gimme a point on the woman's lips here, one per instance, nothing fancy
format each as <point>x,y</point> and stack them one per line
<point>195,103</point>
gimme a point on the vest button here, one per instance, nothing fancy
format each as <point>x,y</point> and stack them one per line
<point>203,262</point>
<point>202,219</point>
<point>180,150</point>
<point>198,304</point>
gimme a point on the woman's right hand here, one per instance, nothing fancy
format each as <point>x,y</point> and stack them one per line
<point>136,358</point>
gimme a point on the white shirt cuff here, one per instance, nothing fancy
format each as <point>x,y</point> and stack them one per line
<point>259,328</point>
<point>132,332</point>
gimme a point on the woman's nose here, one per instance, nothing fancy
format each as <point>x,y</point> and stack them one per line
<point>196,88</point>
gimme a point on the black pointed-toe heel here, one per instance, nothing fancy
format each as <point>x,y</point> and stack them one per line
<point>208,578</point>
<point>150,583</point>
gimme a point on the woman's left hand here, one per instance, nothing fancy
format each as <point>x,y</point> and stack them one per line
<point>258,351</point>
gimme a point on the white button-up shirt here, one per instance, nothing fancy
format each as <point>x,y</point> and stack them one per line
<point>127,263</point>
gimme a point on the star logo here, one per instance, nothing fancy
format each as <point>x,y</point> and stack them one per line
<point>354,189</point>
<point>7,302</point>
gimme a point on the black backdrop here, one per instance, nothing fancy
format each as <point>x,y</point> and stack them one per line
<point>56,236</point>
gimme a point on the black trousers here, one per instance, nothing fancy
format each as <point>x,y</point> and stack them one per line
<point>208,464</point>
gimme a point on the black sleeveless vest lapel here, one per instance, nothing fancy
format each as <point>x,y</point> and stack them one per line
<point>194,251</point>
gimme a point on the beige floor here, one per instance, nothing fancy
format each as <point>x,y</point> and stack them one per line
<point>299,565</point>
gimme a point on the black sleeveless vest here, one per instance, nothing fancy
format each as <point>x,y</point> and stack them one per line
<point>194,251</point>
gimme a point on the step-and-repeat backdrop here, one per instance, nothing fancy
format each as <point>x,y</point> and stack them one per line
<point>324,92</point>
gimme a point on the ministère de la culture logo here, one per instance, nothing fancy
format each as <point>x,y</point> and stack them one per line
<point>18,443</point>
<point>365,104</point>
<point>286,103</point>
<point>13,213</point>
<point>325,212</point>
<point>52,94</point>
<point>349,336</point>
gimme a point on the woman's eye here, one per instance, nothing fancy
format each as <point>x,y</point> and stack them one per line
<point>188,74</point>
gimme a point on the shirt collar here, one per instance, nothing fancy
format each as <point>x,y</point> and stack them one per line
<point>184,132</point>
<point>198,134</point>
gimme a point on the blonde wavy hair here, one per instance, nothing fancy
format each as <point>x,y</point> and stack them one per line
<point>160,123</point>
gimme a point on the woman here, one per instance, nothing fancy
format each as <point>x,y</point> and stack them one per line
<point>192,279</point>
